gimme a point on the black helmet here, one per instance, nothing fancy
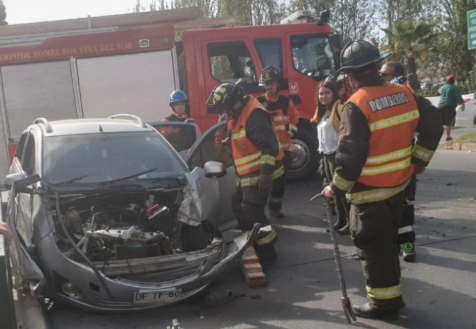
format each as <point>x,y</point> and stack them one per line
<point>358,54</point>
<point>224,97</point>
<point>268,74</point>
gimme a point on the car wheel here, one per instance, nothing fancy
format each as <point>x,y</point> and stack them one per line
<point>304,156</point>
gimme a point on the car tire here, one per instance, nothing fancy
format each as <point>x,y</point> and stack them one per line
<point>304,154</point>
<point>194,238</point>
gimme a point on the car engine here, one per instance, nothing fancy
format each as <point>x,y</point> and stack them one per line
<point>121,228</point>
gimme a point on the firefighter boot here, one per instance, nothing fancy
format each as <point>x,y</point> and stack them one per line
<point>264,243</point>
<point>341,222</point>
<point>344,230</point>
<point>408,251</point>
<point>368,312</point>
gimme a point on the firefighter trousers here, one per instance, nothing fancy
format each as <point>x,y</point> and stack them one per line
<point>405,231</point>
<point>248,205</point>
<point>275,201</point>
<point>373,228</point>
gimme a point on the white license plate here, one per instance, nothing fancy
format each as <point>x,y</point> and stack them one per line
<point>161,296</point>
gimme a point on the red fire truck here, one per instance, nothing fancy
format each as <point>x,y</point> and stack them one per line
<point>98,72</point>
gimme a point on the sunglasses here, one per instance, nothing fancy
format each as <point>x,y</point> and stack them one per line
<point>385,75</point>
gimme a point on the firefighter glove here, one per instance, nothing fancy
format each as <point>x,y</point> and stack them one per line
<point>265,182</point>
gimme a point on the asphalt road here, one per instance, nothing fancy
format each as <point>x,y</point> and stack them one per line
<point>303,290</point>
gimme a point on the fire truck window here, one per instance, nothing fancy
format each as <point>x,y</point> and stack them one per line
<point>270,53</point>
<point>312,56</point>
<point>230,62</point>
<point>28,162</point>
<point>20,146</point>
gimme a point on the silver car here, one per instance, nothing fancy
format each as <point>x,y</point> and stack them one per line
<point>109,217</point>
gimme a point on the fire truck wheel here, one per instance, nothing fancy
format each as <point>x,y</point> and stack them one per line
<point>304,155</point>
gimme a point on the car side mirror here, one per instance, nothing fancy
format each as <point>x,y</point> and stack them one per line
<point>12,178</point>
<point>214,169</point>
<point>336,40</point>
<point>21,182</point>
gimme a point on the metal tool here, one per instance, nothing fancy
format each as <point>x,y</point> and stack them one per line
<point>346,305</point>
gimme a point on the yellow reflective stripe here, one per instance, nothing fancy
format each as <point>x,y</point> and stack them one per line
<point>278,172</point>
<point>393,121</point>
<point>247,158</point>
<point>240,134</point>
<point>249,181</point>
<point>247,165</point>
<point>422,153</point>
<point>267,239</point>
<point>341,183</point>
<point>377,170</point>
<point>280,127</point>
<point>375,195</point>
<point>377,159</point>
<point>267,159</point>
<point>384,293</point>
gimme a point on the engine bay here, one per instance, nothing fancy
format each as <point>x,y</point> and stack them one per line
<point>122,227</point>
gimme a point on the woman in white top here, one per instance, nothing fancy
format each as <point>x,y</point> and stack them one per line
<point>327,117</point>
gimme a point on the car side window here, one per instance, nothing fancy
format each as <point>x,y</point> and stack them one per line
<point>20,146</point>
<point>211,148</point>
<point>29,156</point>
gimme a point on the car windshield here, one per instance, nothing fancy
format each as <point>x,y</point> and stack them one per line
<point>103,157</point>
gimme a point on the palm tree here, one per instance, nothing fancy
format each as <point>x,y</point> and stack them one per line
<point>411,42</point>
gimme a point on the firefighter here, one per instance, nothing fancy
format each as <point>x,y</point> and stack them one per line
<point>254,147</point>
<point>178,102</point>
<point>375,162</point>
<point>285,119</point>
<point>395,72</point>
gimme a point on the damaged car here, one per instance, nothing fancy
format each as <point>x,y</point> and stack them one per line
<point>109,217</point>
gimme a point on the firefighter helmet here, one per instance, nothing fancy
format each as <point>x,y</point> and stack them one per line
<point>268,74</point>
<point>224,97</point>
<point>177,96</point>
<point>359,54</point>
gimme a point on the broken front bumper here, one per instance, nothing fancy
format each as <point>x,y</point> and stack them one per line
<point>138,284</point>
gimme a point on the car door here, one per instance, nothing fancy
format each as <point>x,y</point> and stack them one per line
<point>209,147</point>
<point>19,216</point>
<point>180,135</point>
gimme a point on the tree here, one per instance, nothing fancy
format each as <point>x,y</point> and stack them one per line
<point>3,14</point>
<point>209,8</point>
<point>412,42</point>
<point>452,47</point>
<point>355,18</point>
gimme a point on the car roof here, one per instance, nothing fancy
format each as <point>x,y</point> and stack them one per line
<point>89,126</point>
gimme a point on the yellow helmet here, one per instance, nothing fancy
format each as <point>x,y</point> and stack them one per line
<point>224,97</point>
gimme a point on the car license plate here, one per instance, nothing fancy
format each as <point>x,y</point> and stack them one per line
<point>160,296</point>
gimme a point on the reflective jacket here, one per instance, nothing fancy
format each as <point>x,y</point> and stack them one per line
<point>285,116</point>
<point>247,156</point>
<point>392,115</point>
<point>374,156</point>
<point>175,117</point>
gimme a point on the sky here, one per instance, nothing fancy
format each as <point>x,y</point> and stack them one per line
<point>28,11</point>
